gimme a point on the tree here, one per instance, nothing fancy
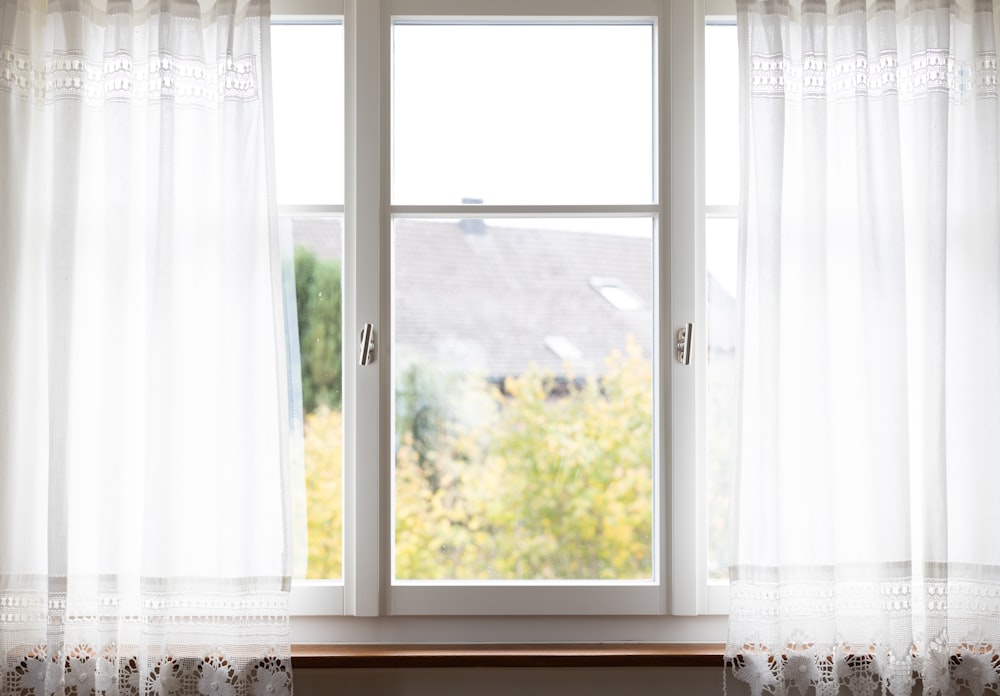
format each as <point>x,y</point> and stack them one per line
<point>537,478</point>
<point>318,302</point>
<point>552,487</point>
<point>434,404</point>
<point>324,469</point>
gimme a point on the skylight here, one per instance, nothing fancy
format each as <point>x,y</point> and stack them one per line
<point>563,348</point>
<point>615,292</point>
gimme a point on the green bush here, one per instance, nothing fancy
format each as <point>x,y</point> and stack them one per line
<point>318,302</point>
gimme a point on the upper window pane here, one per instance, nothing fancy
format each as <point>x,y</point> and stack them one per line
<point>522,114</point>
<point>307,67</point>
<point>722,145</point>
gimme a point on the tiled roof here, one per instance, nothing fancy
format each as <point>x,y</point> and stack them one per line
<point>489,300</point>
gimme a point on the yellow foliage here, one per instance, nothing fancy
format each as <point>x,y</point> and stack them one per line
<point>324,437</point>
<point>555,484</point>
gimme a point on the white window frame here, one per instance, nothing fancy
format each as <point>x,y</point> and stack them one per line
<point>681,605</point>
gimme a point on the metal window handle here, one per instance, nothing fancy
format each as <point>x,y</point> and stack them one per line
<point>366,352</point>
<point>685,335</point>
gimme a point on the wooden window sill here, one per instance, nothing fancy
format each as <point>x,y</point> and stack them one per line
<point>509,655</point>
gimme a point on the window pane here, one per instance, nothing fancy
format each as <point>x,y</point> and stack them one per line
<point>722,153</point>
<point>318,251</point>
<point>722,189</point>
<point>720,253</point>
<point>307,68</point>
<point>523,399</point>
<point>529,114</point>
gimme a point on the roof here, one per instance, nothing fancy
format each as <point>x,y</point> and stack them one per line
<point>496,299</point>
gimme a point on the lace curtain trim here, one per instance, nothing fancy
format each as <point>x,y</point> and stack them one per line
<point>113,670</point>
<point>123,77</point>
<point>172,637</point>
<point>871,668</point>
<point>816,75</point>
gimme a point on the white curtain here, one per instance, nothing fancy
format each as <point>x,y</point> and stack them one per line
<point>145,536</point>
<point>866,543</point>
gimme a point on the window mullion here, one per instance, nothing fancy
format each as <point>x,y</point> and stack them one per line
<point>681,58</point>
<point>525,211</point>
<point>364,298</point>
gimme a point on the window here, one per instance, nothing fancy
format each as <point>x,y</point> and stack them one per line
<point>508,194</point>
<point>506,466</point>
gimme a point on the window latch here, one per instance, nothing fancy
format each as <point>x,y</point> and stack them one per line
<point>684,338</point>
<point>366,353</point>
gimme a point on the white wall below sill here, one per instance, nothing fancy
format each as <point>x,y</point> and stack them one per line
<point>510,681</point>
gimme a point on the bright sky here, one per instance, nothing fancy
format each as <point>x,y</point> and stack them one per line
<point>507,114</point>
<point>510,114</point>
<point>523,114</point>
<point>307,70</point>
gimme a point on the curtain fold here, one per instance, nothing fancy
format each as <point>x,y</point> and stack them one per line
<point>143,458</point>
<point>864,551</point>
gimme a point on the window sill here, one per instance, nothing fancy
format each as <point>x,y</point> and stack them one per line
<point>508,655</point>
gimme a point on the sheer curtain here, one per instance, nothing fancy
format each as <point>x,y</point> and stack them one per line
<point>145,536</point>
<point>866,546</point>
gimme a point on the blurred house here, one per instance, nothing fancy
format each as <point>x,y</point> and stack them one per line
<point>493,300</point>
